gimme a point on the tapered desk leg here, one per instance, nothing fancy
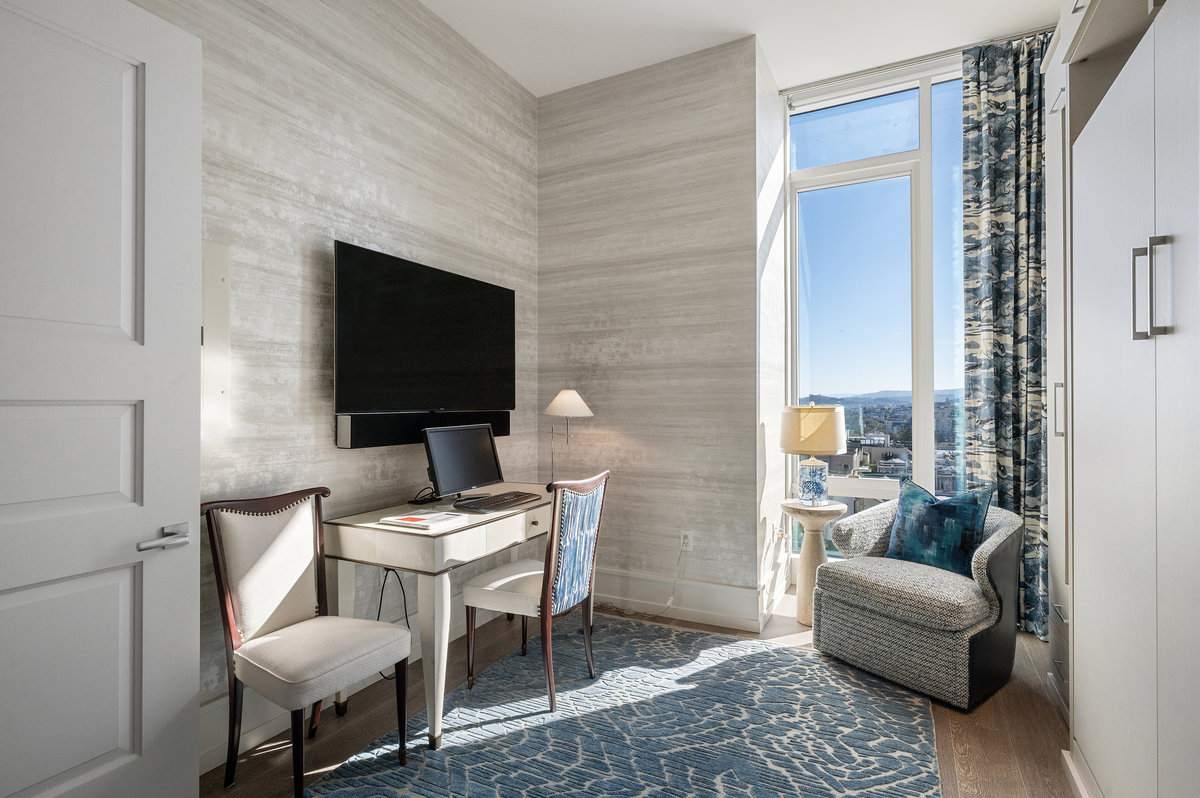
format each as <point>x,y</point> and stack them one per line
<point>433,611</point>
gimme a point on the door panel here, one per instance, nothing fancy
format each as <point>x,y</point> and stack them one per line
<point>72,146</point>
<point>95,612</point>
<point>1177,216</point>
<point>1113,438</point>
<point>99,407</point>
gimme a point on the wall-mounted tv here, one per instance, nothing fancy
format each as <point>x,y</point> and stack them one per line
<point>414,340</point>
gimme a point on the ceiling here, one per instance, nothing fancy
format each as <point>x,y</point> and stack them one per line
<point>551,45</point>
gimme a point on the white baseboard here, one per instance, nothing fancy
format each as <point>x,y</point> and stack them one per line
<point>698,602</point>
<point>1079,775</point>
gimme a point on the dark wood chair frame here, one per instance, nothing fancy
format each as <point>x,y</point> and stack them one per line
<point>582,486</point>
<point>229,625</point>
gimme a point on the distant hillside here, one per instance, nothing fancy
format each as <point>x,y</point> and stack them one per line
<point>878,398</point>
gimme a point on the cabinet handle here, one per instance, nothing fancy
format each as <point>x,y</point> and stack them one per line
<point>1058,386</point>
<point>1080,5</point>
<point>1057,105</point>
<point>1058,612</point>
<point>1138,335</point>
<point>1151,243</point>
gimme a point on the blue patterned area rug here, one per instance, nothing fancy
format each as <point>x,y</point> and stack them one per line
<point>673,712</point>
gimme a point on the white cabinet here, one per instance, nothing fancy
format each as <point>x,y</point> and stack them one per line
<point>1057,176</point>
<point>1135,342</point>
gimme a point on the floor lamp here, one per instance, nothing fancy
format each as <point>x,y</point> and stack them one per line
<point>568,404</point>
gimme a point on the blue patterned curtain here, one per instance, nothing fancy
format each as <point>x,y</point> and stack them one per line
<point>1004,274</point>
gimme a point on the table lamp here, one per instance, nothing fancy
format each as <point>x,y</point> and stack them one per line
<point>815,429</point>
<point>568,404</point>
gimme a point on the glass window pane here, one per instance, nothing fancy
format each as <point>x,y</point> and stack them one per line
<point>854,318</point>
<point>862,129</point>
<point>949,464</point>
<point>855,505</point>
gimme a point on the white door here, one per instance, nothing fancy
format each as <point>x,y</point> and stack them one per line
<point>99,400</point>
<point>1177,217</point>
<point>1113,684</point>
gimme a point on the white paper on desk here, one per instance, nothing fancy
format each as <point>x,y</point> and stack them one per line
<point>421,520</point>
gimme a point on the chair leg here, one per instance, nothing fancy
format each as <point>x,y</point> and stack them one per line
<point>524,633</point>
<point>340,708</point>
<point>402,709</point>
<point>314,719</point>
<point>470,647</point>
<point>509,615</point>
<point>298,753</point>
<point>548,658</point>
<point>587,635</point>
<point>235,729</point>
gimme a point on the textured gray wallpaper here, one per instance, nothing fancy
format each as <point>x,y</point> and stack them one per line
<point>372,122</point>
<point>648,301</point>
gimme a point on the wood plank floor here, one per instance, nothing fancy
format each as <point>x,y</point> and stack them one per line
<point>1009,747</point>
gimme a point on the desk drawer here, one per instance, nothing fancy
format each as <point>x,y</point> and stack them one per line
<point>537,521</point>
<point>504,533</point>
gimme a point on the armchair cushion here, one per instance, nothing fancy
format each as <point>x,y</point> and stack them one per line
<point>933,598</point>
<point>944,534</point>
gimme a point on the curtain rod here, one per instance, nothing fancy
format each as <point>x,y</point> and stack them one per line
<point>912,61</point>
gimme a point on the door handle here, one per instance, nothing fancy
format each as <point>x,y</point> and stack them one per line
<point>171,536</point>
<point>1151,243</point>
<point>1138,335</point>
<point>1058,386</point>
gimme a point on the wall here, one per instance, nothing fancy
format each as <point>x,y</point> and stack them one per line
<point>370,122</point>
<point>772,234</point>
<point>648,303</point>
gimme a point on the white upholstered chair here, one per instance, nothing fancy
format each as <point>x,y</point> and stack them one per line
<point>268,555</point>
<point>552,586</point>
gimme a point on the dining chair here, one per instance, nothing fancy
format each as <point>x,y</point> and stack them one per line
<point>269,561</point>
<point>552,586</point>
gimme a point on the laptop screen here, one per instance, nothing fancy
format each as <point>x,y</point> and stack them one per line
<point>462,458</point>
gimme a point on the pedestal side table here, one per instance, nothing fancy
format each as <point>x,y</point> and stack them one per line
<point>813,517</point>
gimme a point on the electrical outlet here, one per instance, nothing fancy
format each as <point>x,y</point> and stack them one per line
<point>685,541</point>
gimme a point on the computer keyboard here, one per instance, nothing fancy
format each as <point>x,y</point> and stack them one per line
<point>500,501</point>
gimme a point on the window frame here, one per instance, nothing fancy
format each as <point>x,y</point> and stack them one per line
<point>917,165</point>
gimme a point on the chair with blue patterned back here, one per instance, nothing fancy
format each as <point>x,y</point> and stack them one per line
<point>552,586</point>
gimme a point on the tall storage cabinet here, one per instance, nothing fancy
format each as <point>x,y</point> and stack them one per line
<point>1135,340</point>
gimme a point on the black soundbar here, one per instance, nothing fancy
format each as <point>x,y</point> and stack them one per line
<point>362,430</point>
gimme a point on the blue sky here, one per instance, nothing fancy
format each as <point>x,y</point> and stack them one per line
<point>855,248</point>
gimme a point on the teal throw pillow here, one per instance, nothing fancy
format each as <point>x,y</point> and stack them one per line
<point>944,534</point>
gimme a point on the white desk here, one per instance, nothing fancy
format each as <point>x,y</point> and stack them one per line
<point>432,555</point>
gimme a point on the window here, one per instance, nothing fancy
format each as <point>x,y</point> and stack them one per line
<point>877,305</point>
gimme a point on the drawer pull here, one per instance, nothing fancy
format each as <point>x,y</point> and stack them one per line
<point>533,523</point>
<point>1058,612</point>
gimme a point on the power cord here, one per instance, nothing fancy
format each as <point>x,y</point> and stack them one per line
<point>403,595</point>
<point>674,584</point>
<point>424,496</point>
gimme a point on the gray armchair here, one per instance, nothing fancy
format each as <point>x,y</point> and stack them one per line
<point>935,631</point>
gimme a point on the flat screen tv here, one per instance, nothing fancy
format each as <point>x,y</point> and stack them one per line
<point>411,338</point>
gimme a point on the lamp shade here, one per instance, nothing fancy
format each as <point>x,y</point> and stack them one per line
<point>568,403</point>
<point>815,429</point>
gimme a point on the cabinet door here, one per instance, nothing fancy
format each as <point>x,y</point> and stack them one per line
<point>1113,440</point>
<point>1057,180</point>
<point>1177,215</point>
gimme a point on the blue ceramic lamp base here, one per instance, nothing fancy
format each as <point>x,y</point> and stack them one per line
<point>813,475</point>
